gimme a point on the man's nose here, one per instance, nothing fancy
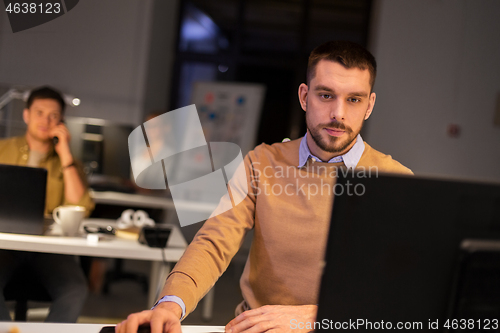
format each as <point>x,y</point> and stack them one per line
<point>45,120</point>
<point>338,110</point>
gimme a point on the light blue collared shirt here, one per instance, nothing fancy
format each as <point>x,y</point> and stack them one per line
<point>350,159</point>
<point>175,299</point>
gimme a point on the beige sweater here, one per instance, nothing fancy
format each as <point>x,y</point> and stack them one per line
<point>289,208</point>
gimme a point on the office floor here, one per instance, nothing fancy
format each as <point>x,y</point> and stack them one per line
<point>126,297</point>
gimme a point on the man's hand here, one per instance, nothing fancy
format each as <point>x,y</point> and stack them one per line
<point>62,147</point>
<point>164,318</point>
<point>275,318</point>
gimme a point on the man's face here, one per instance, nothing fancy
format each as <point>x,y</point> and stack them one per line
<point>41,118</point>
<point>337,102</point>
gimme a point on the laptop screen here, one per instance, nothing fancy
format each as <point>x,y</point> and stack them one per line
<point>22,199</point>
<point>393,255</point>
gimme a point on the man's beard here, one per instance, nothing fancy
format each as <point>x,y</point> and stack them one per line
<point>332,144</point>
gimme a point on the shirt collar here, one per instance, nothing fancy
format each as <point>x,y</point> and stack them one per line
<point>350,159</point>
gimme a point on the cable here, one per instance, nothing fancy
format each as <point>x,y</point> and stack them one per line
<point>163,249</point>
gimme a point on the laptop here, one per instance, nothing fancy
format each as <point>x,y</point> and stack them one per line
<point>393,256</point>
<point>22,199</point>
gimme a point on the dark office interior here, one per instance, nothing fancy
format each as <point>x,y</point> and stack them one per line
<point>437,109</point>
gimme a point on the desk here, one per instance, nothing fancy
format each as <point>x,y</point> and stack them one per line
<point>108,248</point>
<point>127,199</point>
<point>87,328</point>
<point>148,201</point>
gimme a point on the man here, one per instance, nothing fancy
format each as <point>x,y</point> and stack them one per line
<point>288,206</point>
<point>61,275</point>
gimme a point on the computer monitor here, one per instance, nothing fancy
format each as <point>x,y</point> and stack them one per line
<point>22,199</point>
<point>393,251</point>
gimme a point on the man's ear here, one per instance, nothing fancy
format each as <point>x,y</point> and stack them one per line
<point>26,116</point>
<point>303,91</point>
<point>371,104</point>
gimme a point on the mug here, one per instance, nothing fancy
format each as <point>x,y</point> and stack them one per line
<point>69,218</point>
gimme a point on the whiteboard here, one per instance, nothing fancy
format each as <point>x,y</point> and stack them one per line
<point>229,111</point>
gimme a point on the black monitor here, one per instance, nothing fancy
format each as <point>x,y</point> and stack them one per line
<point>393,253</point>
<point>22,199</point>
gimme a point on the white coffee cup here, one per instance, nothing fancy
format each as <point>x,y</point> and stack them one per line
<point>69,218</point>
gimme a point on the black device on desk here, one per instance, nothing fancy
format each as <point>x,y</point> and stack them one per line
<point>156,236</point>
<point>22,199</point>
<point>393,252</point>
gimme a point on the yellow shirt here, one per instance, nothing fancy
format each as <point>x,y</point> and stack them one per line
<point>15,151</point>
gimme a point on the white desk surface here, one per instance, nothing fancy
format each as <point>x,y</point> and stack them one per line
<point>110,247</point>
<point>148,201</point>
<point>128,199</point>
<point>86,328</point>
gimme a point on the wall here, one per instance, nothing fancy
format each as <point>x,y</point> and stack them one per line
<point>161,56</point>
<point>438,64</point>
<point>99,52</point>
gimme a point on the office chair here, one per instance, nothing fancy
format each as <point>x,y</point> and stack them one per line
<point>118,273</point>
<point>21,288</point>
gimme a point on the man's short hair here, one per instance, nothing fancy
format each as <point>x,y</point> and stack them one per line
<point>46,92</point>
<point>348,54</point>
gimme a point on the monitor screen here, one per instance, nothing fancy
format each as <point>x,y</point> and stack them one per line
<point>393,257</point>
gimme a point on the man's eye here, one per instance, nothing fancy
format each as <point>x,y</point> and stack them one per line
<point>353,100</point>
<point>326,96</point>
